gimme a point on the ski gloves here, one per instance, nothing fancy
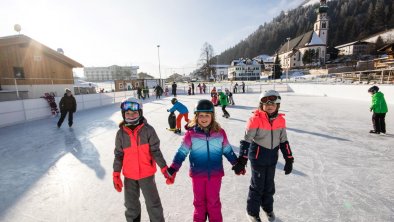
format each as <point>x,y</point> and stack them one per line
<point>169,173</point>
<point>288,166</point>
<point>239,167</point>
<point>117,181</point>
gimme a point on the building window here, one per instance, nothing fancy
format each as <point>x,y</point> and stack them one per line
<point>323,25</point>
<point>19,72</point>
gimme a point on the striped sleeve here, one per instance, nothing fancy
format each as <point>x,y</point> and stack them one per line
<point>182,152</point>
<point>228,150</point>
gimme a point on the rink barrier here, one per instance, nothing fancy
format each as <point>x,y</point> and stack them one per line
<point>19,111</point>
<point>343,91</point>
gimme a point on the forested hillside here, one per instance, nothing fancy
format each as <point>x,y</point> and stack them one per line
<point>350,20</point>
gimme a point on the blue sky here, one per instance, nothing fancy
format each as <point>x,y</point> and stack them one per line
<point>126,32</point>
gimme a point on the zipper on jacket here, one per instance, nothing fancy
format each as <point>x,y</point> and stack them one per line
<point>209,159</point>
<point>272,135</point>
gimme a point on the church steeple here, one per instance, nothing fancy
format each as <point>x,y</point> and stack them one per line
<point>321,24</point>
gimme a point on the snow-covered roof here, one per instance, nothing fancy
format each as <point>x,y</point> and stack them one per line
<point>265,58</point>
<point>316,40</point>
<point>81,83</point>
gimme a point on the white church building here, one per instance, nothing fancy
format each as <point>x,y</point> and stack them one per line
<point>291,53</point>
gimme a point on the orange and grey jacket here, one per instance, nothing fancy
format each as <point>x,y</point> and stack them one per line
<point>137,151</point>
<point>263,138</point>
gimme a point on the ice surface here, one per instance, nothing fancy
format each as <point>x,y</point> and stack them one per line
<point>341,172</point>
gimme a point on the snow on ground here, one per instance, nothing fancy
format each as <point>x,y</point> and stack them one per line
<point>341,172</point>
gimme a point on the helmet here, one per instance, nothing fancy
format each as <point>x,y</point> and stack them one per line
<point>132,104</point>
<point>174,100</point>
<point>204,105</point>
<point>219,90</point>
<point>373,89</point>
<point>270,96</point>
<point>67,90</point>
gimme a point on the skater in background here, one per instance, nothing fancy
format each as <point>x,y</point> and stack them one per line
<point>173,86</point>
<point>199,88</point>
<point>50,98</point>
<point>230,96</point>
<point>379,109</point>
<point>265,135</point>
<point>206,142</point>
<point>139,93</point>
<point>204,87</point>
<point>192,88</point>
<point>235,88</point>
<point>68,105</point>
<point>159,91</point>
<point>138,168</point>
<point>183,113</point>
<point>214,96</point>
<point>189,91</point>
<point>243,87</point>
<point>223,101</point>
<point>166,91</point>
<point>146,91</point>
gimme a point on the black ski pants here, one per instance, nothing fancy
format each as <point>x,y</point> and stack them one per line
<point>225,111</point>
<point>261,190</point>
<point>63,116</point>
<point>378,121</point>
<point>151,195</point>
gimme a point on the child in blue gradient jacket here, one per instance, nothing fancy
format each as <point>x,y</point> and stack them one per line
<point>206,142</point>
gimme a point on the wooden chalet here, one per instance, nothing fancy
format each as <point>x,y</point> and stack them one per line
<point>26,63</point>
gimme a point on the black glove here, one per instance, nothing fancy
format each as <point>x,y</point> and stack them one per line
<point>239,167</point>
<point>288,166</point>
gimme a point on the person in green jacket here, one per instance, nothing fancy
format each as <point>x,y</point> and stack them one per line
<point>379,109</point>
<point>223,102</point>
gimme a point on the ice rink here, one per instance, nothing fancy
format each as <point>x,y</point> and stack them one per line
<point>341,172</point>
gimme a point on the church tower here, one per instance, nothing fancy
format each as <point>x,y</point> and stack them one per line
<point>321,25</point>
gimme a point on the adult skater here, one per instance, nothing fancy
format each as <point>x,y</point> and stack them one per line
<point>68,105</point>
<point>173,86</point>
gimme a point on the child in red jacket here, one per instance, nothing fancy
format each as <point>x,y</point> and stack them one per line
<point>137,151</point>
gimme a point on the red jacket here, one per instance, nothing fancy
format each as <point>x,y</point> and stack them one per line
<point>137,151</point>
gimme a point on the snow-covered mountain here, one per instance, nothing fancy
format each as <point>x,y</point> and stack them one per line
<point>310,2</point>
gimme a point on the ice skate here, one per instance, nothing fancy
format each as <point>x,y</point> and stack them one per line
<point>373,131</point>
<point>271,216</point>
<point>252,218</point>
<point>177,131</point>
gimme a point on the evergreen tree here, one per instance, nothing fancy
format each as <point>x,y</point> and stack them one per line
<point>277,70</point>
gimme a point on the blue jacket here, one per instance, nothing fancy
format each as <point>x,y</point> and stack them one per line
<point>182,109</point>
<point>206,152</point>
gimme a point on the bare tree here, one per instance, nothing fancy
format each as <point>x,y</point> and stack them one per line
<point>205,60</point>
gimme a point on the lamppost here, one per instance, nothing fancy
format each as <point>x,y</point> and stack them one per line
<point>288,64</point>
<point>158,55</point>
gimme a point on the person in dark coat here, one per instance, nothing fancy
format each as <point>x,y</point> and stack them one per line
<point>174,89</point>
<point>192,88</point>
<point>67,105</point>
<point>139,92</point>
<point>158,91</point>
